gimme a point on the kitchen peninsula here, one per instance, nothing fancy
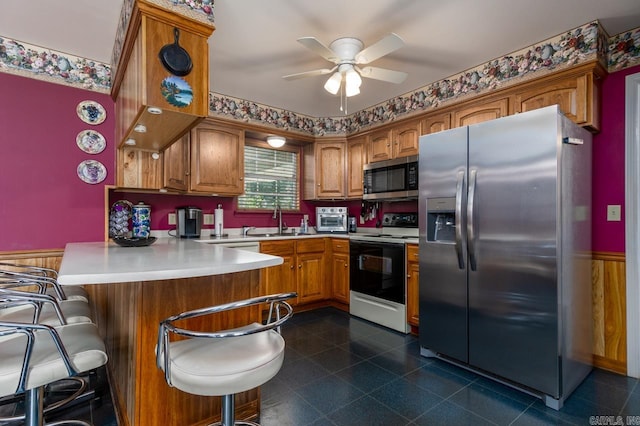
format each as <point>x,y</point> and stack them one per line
<point>133,289</point>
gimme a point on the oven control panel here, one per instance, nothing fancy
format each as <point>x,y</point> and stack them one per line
<point>400,220</point>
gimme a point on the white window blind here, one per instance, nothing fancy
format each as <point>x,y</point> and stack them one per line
<point>270,178</point>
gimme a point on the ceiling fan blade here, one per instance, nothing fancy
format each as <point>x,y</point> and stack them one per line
<point>314,45</point>
<point>377,50</point>
<point>307,74</point>
<point>383,74</point>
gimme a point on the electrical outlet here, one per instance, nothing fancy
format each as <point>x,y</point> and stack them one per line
<point>306,217</point>
<point>613,213</point>
<point>208,219</point>
<point>172,218</point>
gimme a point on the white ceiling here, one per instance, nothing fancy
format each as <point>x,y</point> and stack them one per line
<point>254,43</point>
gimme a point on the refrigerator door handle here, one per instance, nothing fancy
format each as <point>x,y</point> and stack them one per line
<point>458,219</point>
<point>471,235</point>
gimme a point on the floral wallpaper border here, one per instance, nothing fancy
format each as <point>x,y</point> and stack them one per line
<point>582,44</point>
<point>579,45</point>
<point>55,67</point>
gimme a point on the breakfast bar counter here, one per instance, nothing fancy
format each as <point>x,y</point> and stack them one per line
<point>133,288</point>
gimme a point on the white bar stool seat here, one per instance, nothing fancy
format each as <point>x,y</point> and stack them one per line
<point>226,362</point>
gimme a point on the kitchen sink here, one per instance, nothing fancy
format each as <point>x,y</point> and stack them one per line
<point>275,234</point>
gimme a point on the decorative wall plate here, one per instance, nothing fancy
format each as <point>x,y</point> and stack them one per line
<point>91,112</point>
<point>91,142</point>
<point>176,91</point>
<point>92,171</point>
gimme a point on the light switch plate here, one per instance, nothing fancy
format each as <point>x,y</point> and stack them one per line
<point>613,213</point>
<point>208,219</point>
<point>172,218</point>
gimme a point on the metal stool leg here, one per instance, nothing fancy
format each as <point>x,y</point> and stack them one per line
<point>228,410</point>
<point>228,414</point>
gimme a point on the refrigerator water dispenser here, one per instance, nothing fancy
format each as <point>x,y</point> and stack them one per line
<point>441,219</point>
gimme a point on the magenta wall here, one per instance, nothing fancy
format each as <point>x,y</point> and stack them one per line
<point>44,204</point>
<point>163,204</point>
<point>608,164</point>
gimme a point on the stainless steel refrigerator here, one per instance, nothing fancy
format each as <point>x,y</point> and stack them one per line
<point>505,251</point>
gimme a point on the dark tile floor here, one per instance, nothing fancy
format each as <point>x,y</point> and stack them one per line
<point>343,371</point>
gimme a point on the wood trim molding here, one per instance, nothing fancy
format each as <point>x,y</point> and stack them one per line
<point>610,256</point>
<point>30,254</point>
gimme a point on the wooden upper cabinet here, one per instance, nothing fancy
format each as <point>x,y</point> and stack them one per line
<point>217,160</point>
<point>141,81</point>
<point>176,165</point>
<point>325,166</point>
<point>380,148</point>
<point>434,123</point>
<point>356,159</point>
<point>478,112</point>
<point>138,169</point>
<point>405,139</point>
<point>395,142</point>
<point>577,97</point>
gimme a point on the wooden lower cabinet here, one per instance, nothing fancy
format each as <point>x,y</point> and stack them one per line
<point>413,285</point>
<point>303,270</point>
<point>280,278</point>
<point>340,269</point>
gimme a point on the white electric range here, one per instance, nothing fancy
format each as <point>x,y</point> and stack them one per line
<point>377,272</point>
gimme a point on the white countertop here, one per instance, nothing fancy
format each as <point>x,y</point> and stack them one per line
<point>167,258</point>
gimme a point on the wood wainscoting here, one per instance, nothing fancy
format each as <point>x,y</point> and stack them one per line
<point>609,311</point>
<point>41,258</point>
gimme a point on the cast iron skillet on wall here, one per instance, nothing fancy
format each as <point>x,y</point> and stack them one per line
<point>175,58</point>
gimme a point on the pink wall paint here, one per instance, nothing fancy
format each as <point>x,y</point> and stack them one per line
<point>608,164</point>
<point>163,204</point>
<point>44,204</point>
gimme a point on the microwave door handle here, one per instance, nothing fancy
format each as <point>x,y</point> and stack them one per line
<point>471,231</point>
<point>458,220</point>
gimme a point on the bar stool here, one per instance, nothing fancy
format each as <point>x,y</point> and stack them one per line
<point>35,308</point>
<point>35,355</point>
<point>47,278</point>
<point>225,362</point>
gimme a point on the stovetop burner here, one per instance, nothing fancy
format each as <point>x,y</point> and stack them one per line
<point>396,226</point>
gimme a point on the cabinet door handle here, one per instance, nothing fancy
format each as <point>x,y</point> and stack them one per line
<point>291,267</point>
<point>345,265</point>
<point>300,266</point>
<point>241,178</point>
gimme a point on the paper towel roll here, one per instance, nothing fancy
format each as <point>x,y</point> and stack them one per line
<point>218,221</point>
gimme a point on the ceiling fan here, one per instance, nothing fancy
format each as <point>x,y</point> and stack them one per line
<point>347,53</point>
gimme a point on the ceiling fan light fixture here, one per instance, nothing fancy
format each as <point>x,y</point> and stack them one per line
<point>276,141</point>
<point>352,82</point>
<point>333,83</point>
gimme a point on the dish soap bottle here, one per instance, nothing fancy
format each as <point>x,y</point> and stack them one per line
<point>304,227</point>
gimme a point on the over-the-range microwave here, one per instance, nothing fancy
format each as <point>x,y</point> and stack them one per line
<point>391,179</point>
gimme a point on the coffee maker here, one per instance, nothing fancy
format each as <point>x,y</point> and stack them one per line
<point>188,222</point>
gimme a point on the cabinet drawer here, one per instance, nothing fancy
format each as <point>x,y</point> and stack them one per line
<point>412,253</point>
<point>340,245</point>
<point>311,245</point>
<point>281,248</point>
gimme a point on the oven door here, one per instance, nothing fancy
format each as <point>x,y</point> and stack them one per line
<point>329,222</point>
<point>377,269</point>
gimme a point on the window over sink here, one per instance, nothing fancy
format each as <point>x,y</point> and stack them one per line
<point>271,177</point>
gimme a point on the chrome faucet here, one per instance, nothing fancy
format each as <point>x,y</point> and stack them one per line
<point>246,229</point>
<point>277,214</point>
